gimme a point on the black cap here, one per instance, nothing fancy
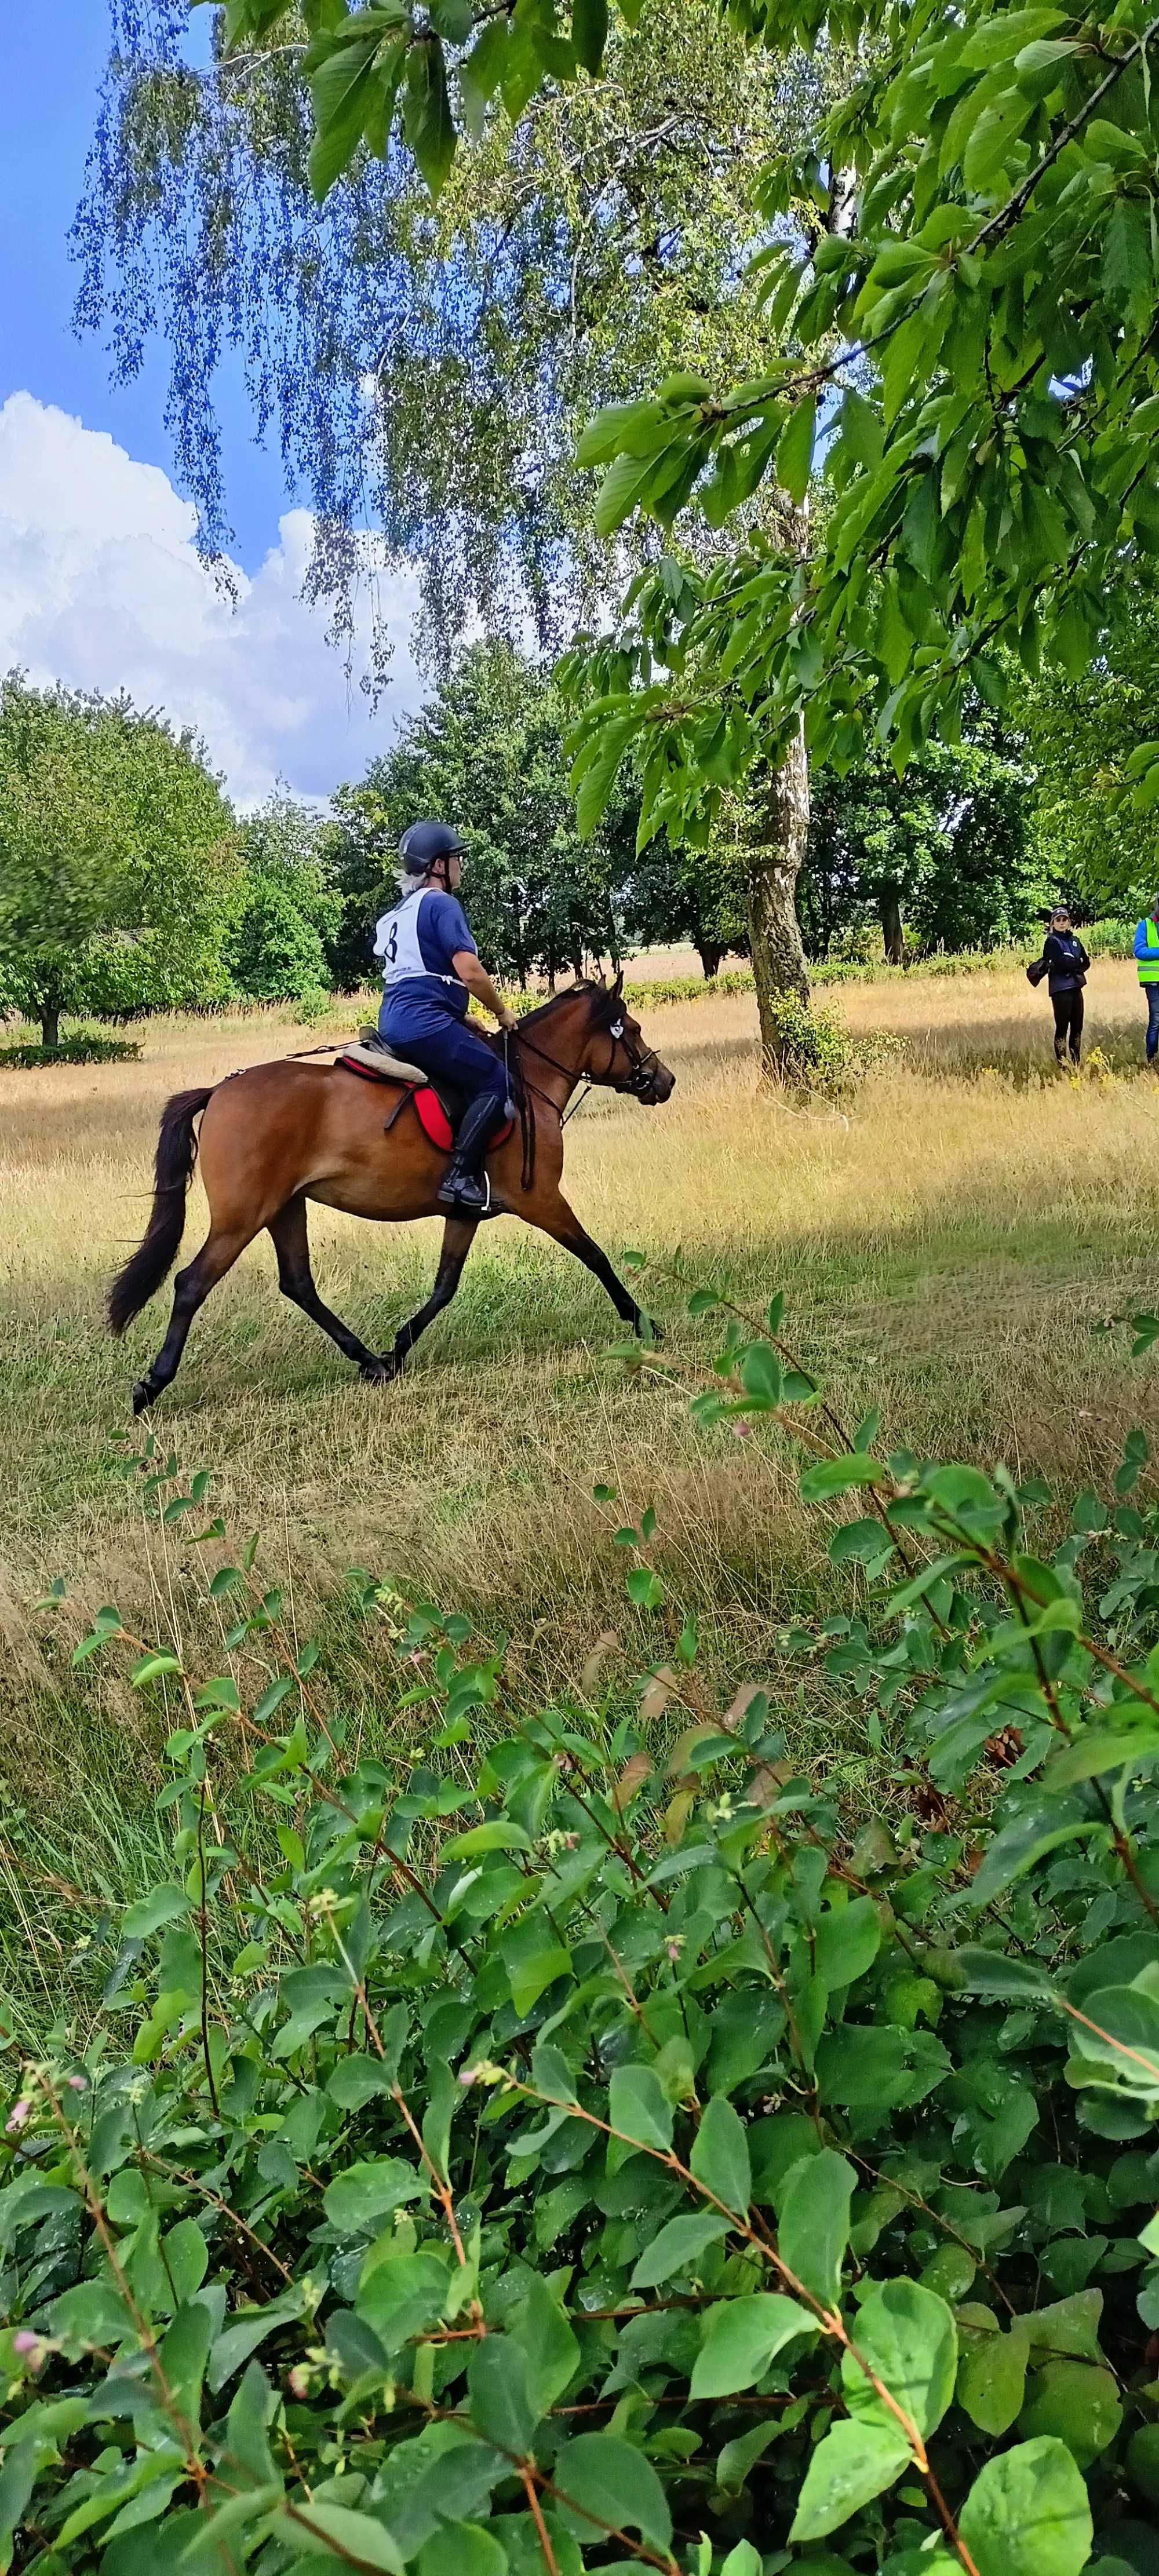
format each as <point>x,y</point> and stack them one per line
<point>422,844</point>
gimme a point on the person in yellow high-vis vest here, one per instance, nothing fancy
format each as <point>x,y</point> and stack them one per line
<point>1147,958</point>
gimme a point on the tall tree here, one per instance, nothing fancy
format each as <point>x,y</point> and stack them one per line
<point>286,928</point>
<point>430,373</point>
<point>971,310</point>
<point>487,754</point>
<point>949,850</point>
<point>1087,736</point>
<point>114,838</point>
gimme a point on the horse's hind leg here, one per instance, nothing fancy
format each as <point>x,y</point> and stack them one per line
<point>190,1290</point>
<point>458,1236</point>
<point>296,1281</point>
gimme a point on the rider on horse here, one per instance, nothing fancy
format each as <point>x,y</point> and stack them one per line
<point>430,968</point>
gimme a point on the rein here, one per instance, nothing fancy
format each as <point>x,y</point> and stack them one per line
<point>641,1061</point>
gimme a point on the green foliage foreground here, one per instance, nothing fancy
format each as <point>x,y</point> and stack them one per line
<point>598,2152</point>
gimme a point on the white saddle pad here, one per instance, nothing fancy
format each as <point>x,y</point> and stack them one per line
<point>378,1059</point>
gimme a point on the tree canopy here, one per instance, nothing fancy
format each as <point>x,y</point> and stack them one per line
<point>951,852</point>
<point>1084,734</point>
<point>118,863</point>
<point>972,306</point>
<point>426,371</point>
<point>284,936</point>
<point>487,754</point>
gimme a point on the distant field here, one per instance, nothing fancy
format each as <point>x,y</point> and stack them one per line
<point>948,1237</point>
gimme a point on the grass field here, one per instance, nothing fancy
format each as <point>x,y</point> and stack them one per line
<point>949,1236</point>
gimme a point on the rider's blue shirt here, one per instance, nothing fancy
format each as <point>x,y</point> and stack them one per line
<point>417,942</point>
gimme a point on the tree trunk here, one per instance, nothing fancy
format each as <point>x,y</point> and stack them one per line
<point>49,1016</point>
<point>710,955</point>
<point>891,927</point>
<point>776,848</point>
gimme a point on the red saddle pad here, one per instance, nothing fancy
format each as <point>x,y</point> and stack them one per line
<point>435,1123</point>
<point>432,1116</point>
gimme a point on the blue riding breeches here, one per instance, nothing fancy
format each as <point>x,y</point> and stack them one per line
<point>424,1033</point>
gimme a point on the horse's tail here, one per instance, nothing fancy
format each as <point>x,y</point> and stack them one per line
<point>157,1250</point>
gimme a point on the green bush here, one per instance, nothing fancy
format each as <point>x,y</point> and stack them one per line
<point>811,1051</point>
<point>84,1046</point>
<point>604,2148</point>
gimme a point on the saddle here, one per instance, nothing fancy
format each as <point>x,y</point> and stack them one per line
<point>439,1106</point>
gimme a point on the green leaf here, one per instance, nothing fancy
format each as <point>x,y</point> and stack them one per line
<point>852,2463</point>
<point>1125,2037</point>
<point>1028,2514</point>
<point>1076,2401</point>
<point>333,2532</point>
<point>358,2080</point>
<point>907,2337</point>
<point>533,1958</point>
<point>720,2155</point>
<point>743,2336</point>
<point>814,2223</point>
<point>639,2108</point>
<point>463,2549</point>
<point>991,2379</point>
<point>761,1373</point>
<point>185,2351</point>
<point>163,1904</point>
<point>589,32</point>
<point>837,1475</point>
<point>846,1941</point>
<point>1041,1828</point>
<point>427,119</point>
<point>365,2194</point>
<point>501,1834</point>
<point>680,2242</point>
<point>497,2385</point>
<point>795,449</point>
<point>548,2346</point>
<point>151,1666</point>
<point>1098,1750</point>
<point>603,2482</point>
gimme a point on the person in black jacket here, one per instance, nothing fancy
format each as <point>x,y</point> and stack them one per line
<point>1064,962</point>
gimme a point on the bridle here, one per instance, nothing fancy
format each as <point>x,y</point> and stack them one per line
<point>639,1084</point>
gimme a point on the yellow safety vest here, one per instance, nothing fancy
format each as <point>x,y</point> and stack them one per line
<point>1149,968</point>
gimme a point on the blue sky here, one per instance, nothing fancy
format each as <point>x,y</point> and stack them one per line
<point>99,581</point>
<point>47,108</point>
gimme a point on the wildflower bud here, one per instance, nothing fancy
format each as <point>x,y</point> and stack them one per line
<point>298,2381</point>
<point>77,2084</point>
<point>18,2115</point>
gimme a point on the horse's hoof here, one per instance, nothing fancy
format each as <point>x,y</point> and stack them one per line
<point>143,1394</point>
<point>380,1371</point>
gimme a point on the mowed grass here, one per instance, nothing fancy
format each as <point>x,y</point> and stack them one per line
<point>950,1237</point>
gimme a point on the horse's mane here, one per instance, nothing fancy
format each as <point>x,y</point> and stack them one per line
<point>604,998</point>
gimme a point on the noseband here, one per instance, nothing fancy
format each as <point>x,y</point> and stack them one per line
<point>639,1084</point>
<point>643,1060</point>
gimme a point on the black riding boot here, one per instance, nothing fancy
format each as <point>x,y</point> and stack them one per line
<point>463,1188</point>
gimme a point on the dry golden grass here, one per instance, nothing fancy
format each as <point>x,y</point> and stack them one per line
<point>948,1237</point>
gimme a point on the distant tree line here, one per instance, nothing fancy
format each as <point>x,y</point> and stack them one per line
<point>128,883</point>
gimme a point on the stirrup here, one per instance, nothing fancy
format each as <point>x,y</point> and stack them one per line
<point>448,1195</point>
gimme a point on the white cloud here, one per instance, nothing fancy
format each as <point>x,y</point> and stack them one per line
<point>101,587</point>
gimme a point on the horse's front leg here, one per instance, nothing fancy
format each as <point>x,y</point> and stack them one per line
<point>458,1236</point>
<point>560,1221</point>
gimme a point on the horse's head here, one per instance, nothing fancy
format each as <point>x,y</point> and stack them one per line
<point>617,1057</point>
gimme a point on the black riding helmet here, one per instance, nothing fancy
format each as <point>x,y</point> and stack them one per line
<point>423,844</point>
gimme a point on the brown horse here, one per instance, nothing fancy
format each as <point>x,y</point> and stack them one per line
<point>283,1133</point>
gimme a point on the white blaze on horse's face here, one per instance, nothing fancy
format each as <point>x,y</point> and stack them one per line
<point>616,1029</point>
